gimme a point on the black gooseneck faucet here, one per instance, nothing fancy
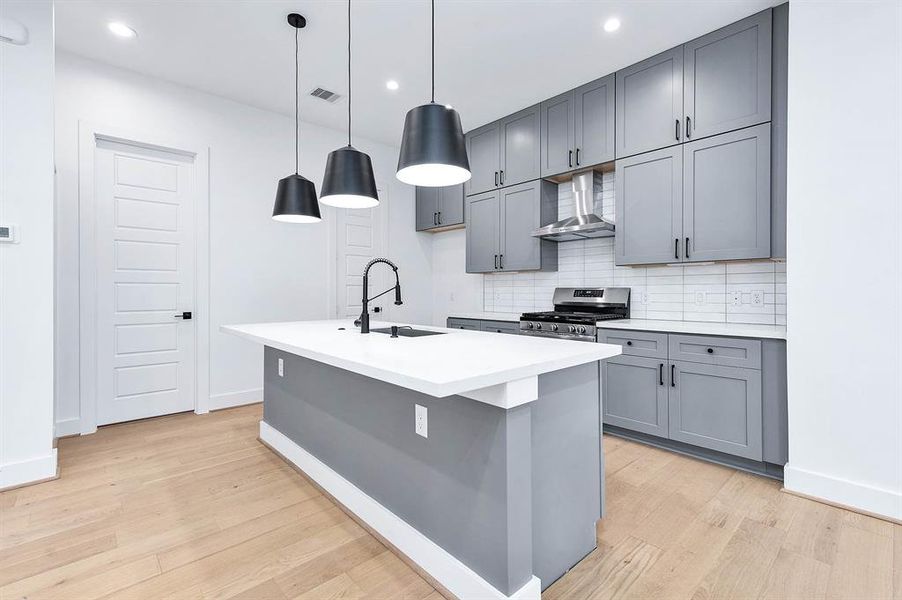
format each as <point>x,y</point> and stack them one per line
<point>364,321</point>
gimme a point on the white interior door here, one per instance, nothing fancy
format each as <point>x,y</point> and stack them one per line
<point>360,239</point>
<point>145,280</point>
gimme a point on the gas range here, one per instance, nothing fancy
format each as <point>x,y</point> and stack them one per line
<point>576,313</point>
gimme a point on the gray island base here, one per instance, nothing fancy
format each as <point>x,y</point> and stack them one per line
<point>495,503</point>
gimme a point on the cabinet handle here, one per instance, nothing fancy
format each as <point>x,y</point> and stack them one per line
<point>502,177</point>
<point>440,219</point>
<point>710,350</point>
<point>577,157</point>
<point>688,127</point>
<point>685,251</point>
<point>629,342</point>
<point>569,158</point>
<point>676,248</point>
<point>434,219</point>
<point>672,377</point>
<point>496,178</point>
<point>677,129</point>
<point>496,261</point>
<point>661,374</point>
<point>501,260</point>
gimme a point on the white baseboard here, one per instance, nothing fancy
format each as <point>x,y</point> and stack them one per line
<point>230,399</point>
<point>448,571</point>
<point>878,501</point>
<point>28,471</point>
<point>67,427</point>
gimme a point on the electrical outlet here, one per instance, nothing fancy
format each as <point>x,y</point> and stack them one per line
<point>498,296</point>
<point>699,298</point>
<point>757,298</point>
<point>643,298</point>
<point>281,368</point>
<point>422,421</point>
<point>736,297</point>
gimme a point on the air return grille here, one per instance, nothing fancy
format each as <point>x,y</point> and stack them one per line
<point>325,95</point>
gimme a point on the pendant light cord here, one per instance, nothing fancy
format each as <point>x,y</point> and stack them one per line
<point>349,72</point>
<point>297,130</point>
<point>433,51</point>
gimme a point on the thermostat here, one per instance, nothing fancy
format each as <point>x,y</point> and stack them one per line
<point>9,234</point>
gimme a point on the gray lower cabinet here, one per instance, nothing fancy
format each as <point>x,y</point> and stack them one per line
<point>728,77</point>
<point>649,207</point>
<point>505,152</point>
<point>716,407</point>
<point>635,394</point>
<point>439,207</point>
<point>500,225</point>
<point>578,128</point>
<point>509,327</point>
<point>649,98</point>
<point>468,324</point>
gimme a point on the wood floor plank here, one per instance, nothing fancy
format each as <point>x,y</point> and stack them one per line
<point>863,566</point>
<point>897,562</point>
<point>796,577</point>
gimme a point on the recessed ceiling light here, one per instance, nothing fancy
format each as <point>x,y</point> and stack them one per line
<point>392,84</point>
<point>121,29</point>
<point>612,25</point>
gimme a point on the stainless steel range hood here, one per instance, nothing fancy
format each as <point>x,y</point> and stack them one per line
<point>585,223</point>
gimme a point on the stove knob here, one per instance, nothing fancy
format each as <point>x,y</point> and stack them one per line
<point>571,328</point>
<point>581,329</point>
<point>554,328</point>
<point>529,325</point>
<point>538,325</point>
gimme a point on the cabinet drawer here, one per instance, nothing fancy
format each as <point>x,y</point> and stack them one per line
<point>501,327</point>
<point>470,324</point>
<point>725,352</point>
<point>636,343</point>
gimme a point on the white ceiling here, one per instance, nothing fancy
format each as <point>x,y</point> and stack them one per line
<point>492,57</point>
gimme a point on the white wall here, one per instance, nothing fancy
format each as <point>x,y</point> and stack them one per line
<point>26,268</point>
<point>845,271</point>
<point>260,270</point>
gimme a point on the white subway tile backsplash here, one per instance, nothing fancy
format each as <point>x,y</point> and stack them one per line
<point>695,292</point>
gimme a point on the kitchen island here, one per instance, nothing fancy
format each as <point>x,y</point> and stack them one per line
<point>475,455</point>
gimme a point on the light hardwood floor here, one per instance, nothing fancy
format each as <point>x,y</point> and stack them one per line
<point>193,506</point>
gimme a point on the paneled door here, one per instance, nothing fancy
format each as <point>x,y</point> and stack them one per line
<point>520,147</point>
<point>557,120</point>
<point>484,152</point>
<point>360,239</point>
<point>593,128</point>
<point>144,235</point>
<point>634,393</point>
<point>483,216</point>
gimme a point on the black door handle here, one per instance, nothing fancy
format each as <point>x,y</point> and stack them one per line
<point>185,315</point>
<point>496,178</point>
<point>434,219</point>
<point>440,219</point>
<point>686,249</point>
<point>710,350</point>
<point>677,129</point>
<point>577,157</point>
<point>672,377</point>
<point>502,176</point>
<point>676,248</point>
<point>661,374</point>
<point>501,260</point>
<point>496,261</point>
<point>629,342</point>
<point>569,158</point>
<point>688,127</point>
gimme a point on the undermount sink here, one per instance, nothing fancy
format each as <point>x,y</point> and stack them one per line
<point>407,332</point>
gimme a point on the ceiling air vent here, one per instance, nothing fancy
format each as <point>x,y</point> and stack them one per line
<point>325,95</point>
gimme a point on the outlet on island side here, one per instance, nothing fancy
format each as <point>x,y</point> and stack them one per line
<point>421,425</point>
<point>281,368</point>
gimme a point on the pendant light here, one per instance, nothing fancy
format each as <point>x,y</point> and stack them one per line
<point>433,152</point>
<point>349,181</point>
<point>296,195</point>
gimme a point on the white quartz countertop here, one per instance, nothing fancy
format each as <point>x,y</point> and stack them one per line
<point>726,329</point>
<point>486,316</point>
<point>438,365</point>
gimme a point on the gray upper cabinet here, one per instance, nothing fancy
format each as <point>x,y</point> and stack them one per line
<point>427,200</point>
<point>558,119</point>
<point>649,98</point>
<point>728,78</point>
<point>484,153</point>
<point>500,225</point>
<point>648,195</point>
<point>726,196</point>
<point>634,394</point>
<point>717,408</point>
<point>483,232</point>
<point>594,123</point>
<point>520,147</point>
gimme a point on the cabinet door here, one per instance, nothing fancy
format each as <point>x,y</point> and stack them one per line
<point>726,196</point>
<point>469,324</point>
<point>648,196</point>
<point>451,205</point>
<point>520,147</point>
<point>427,207</point>
<point>717,407</point>
<point>500,327</point>
<point>594,123</point>
<point>483,220</point>
<point>520,216</point>
<point>558,118</point>
<point>649,98</point>
<point>634,394</point>
<point>484,152</point>
<point>728,77</point>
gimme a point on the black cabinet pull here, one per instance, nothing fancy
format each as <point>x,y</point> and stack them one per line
<point>688,127</point>
<point>676,247</point>
<point>496,261</point>
<point>677,129</point>
<point>672,377</point>
<point>710,350</point>
<point>661,374</point>
<point>496,178</point>
<point>577,157</point>
<point>434,219</point>
<point>629,342</point>
<point>570,158</point>
<point>685,250</point>
<point>502,176</point>
<point>501,260</point>
<point>440,219</point>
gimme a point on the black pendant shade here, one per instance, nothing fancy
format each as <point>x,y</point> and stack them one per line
<point>433,152</point>
<point>349,181</point>
<point>296,201</point>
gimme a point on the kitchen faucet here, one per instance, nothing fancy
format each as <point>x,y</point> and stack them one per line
<point>364,321</point>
